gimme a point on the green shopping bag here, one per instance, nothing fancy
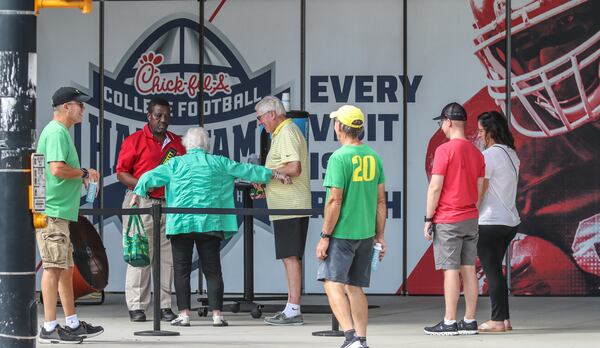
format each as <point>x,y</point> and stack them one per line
<point>135,243</point>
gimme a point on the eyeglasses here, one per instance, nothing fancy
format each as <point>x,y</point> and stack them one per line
<point>258,117</point>
<point>441,122</point>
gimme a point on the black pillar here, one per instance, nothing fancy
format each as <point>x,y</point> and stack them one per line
<point>18,313</point>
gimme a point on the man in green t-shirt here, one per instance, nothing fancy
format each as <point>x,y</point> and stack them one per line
<point>355,213</point>
<point>63,192</point>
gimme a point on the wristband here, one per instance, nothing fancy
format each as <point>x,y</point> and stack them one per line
<point>428,219</point>
<point>84,173</point>
<point>325,235</point>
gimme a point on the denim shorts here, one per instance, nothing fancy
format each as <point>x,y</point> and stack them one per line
<point>348,262</point>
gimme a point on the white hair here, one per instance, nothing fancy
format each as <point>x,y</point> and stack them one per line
<point>196,138</point>
<point>270,103</point>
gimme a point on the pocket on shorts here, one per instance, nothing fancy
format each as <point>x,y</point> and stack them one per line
<point>54,246</point>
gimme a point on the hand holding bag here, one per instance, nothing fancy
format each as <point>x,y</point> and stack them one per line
<point>135,243</point>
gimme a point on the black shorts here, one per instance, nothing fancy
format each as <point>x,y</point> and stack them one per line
<point>290,237</point>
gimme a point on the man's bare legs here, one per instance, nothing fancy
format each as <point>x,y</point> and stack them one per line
<point>451,292</point>
<point>293,273</point>
<point>471,289</point>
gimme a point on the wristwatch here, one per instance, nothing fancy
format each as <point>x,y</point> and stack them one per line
<point>428,219</point>
<point>325,235</point>
<point>84,173</point>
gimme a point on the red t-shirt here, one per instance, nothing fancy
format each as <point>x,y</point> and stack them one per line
<point>141,152</point>
<point>461,164</point>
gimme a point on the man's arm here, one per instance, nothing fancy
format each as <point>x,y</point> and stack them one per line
<point>65,171</point>
<point>127,179</point>
<point>333,206</point>
<point>433,197</point>
<point>380,219</point>
<point>291,169</point>
<point>433,194</point>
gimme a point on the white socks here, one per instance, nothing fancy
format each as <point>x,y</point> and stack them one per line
<point>468,321</point>
<point>291,310</point>
<point>449,322</point>
<point>50,325</point>
<point>72,321</point>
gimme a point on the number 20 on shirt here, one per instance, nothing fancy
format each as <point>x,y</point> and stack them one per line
<point>364,168</point>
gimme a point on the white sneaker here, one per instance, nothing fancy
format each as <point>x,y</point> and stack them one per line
<point>218,321</point>
<point>181,320</point>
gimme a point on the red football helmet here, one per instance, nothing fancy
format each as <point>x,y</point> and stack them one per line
<point>555,61</point>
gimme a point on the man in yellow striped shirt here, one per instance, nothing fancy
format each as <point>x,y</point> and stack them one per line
<point>289,155</point>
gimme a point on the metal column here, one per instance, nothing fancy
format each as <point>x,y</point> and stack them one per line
<point>18,312</point>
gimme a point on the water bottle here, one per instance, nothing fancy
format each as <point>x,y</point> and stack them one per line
<point>91,192</point>
<point>285,99</point>
<point>377,247</point>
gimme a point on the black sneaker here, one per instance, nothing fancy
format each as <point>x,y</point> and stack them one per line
<point>137,315</point>
<point>58,336</point>
<point>465,328</point>
<point>442,329</point>
<point>166,314</point>
<point>85,330</point>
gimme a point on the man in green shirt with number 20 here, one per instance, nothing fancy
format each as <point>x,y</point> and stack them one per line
<point>355,213</point>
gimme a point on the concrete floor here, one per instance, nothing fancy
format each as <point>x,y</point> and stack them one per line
<point>398,322</point>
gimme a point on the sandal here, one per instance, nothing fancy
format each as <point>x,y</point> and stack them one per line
<point>488,327</point>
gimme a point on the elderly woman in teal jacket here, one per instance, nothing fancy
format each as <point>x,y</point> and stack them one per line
<point>200,180</point>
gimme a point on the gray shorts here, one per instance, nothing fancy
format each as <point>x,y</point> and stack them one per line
<point>348,262</point>
<point>455,244</point>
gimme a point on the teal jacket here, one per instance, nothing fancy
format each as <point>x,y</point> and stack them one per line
<point>200,180</point>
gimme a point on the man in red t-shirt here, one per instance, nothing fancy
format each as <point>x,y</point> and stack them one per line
<point>143,151</point>
<point>451,218</point>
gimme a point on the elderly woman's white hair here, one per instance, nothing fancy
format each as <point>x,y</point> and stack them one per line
<point>270,103</point>
<point>196,138</point>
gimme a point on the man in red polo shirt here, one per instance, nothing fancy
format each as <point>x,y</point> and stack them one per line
<point>143,151</point>
<point>451,219</point>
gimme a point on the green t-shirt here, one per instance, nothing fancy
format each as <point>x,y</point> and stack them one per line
<point>358,170</point>
<point>62,195</point>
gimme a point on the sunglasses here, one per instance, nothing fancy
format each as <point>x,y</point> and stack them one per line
<point>77,103</point>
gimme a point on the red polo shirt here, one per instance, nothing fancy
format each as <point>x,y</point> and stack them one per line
<point>461,164</point>
<point>141,152</point>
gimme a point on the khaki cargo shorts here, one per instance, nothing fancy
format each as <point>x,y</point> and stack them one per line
<point>54,244</point>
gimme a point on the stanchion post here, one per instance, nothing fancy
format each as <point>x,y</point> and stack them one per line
<point>156,216</point>
<point>335,329</point>
<point>248,248</point>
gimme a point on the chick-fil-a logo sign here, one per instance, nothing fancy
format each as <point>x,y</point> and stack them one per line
<point>149,79</point>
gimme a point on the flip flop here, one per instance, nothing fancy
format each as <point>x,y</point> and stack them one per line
<point>487,328</point>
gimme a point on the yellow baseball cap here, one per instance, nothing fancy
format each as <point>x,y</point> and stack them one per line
<point>349,115</point>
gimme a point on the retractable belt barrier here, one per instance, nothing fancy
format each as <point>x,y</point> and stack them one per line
<point>217,211</point>
<point>157,210</point>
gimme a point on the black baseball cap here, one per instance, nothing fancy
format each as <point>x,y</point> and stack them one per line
<point>453,111</point>
<point>67,94</point>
